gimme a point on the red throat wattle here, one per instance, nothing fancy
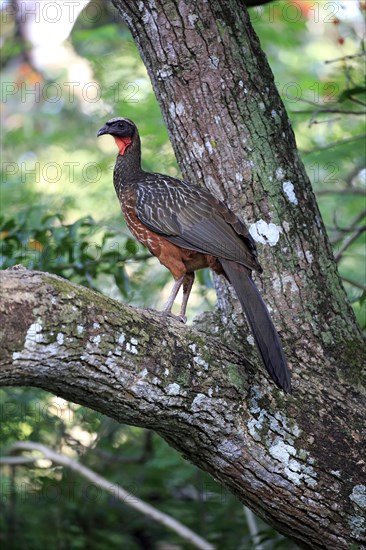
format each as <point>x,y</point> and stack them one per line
<point>122,143</point>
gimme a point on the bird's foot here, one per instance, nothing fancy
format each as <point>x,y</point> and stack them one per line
<point>180,318</point>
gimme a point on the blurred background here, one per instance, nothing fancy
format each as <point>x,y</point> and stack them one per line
<point>66,68</point>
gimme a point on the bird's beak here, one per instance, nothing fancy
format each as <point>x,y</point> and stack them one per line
<point>103,131</point>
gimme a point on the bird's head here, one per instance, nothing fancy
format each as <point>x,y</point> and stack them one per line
<point>122,129</point>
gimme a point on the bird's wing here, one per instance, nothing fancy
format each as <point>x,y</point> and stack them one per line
<point>192,218</point>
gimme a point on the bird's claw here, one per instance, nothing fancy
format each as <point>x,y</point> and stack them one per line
<point>180,318</point>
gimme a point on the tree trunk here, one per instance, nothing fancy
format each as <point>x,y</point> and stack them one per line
<point>295,460</point>
<point>231,133</point>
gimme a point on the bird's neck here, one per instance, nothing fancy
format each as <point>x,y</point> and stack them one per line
<point>128,165</point>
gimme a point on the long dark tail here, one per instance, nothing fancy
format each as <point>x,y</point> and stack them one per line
<point>264,332</point>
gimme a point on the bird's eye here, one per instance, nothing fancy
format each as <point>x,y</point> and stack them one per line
<point>121,124</point>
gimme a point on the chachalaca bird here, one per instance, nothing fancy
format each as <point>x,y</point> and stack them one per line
<point>187,228</point>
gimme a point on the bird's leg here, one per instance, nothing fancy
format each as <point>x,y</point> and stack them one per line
<point>167,309</point>
<point>187,282</point>
<point>187,287</point>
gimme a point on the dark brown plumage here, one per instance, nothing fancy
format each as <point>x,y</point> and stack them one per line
<point>187,229</point>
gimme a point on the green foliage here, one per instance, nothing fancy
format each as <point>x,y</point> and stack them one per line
<point>81,251</point>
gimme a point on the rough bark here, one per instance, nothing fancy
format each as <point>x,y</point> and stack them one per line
<point>295,460</point>
<point>231,133</point>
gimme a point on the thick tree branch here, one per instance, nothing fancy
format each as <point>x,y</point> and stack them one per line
<point>294,459</point>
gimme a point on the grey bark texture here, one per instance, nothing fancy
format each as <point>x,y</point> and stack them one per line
<point>298,461</point>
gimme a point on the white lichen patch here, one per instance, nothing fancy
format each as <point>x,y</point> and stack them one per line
<point>255,426</point>
<point>209,147</point>
<point>33,334</point>
<point>296,471</point>
<point>358,495</point>
<point>172,110</point>
<point>280,435</point>
<point>60,338</point>
<point>357,525</point>
<point>131,346</point>
<point>118,350</point>
<point>309,256</point>
<point>250,340</point>
<point>96,325</point>
<point>80,329</point>
<point>198,149</point>
<point>288,189</point>
<point>250,164</point>
<point>176,109</point>
<point>280,174</point>
<point>198,402</point>
<point>173,389</point>
<point>265,233</point>
<point>201,362</point>
<point>238,176</point>
<point>192,18</point>
<point>165,72</point>
<point>179,108</point>
<point>96,339</point>
<point>282,451</point>
<point>32,338</point>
